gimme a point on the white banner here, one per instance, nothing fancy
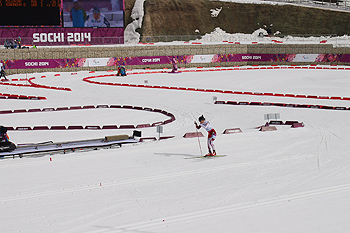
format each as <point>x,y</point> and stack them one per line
<point>94,62</point>
<point>305,57</point>
<point>202,58</point>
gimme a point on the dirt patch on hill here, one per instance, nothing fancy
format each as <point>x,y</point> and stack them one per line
<point>129,4</point>
<point>183,17</point>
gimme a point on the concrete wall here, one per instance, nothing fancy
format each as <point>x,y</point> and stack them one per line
<point>155,50</point>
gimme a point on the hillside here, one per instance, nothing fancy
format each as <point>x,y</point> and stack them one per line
<point>179,17</point>
<point>129,4</point>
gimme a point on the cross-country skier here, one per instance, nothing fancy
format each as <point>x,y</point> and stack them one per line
<point>3,134</point>
<point>2,71</point>
<point>211,134</point>
<point>174,62</point>
<point>121,71</point>
<point>5,144</point>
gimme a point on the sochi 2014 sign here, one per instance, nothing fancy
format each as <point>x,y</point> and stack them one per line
<point>61,37</point>
<point>64,36</point>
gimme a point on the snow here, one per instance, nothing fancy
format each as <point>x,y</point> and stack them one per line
<point>137,13</point>
<point>252,2</point>
<point>289,180</point>
<point>215,12</point>
<point>308,3</point>
<point>219,36</point>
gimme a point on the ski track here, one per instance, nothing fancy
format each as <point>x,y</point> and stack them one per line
<point>185,117</point>
<point>271,165</point>
<point>144,179</point>
<point>202,88</point>
<point>141,226</point>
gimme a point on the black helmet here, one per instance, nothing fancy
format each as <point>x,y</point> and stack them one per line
<point>201,118</point>
<point>3,129</point>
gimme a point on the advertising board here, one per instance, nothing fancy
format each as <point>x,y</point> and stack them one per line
<point>287,59</point>
<point>62,22</point>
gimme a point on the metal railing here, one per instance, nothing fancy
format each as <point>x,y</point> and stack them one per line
<point>335,40</point>
<point>169,38</point>
<point>294,38</point>
<point>107,40</point>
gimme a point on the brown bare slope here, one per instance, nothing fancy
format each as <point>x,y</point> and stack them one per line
<point>129,4</point>
<point>183,17</point>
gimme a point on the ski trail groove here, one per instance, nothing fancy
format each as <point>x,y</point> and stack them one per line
<point>138,180</point>
<point>224,210</point>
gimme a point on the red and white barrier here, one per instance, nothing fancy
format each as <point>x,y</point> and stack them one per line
<point>202,69</point>
<point>193,135</point>
<point>284,105</point>
<point>91,127</point>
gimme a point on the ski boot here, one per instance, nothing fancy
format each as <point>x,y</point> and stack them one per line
<point>209,154</point>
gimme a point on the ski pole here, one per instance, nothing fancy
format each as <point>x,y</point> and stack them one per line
<point>199,142</point>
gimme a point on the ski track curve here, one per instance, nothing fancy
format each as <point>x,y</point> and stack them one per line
<point>182,112</point>
<point>232,92</point>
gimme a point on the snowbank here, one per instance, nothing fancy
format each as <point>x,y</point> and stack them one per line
<point>130,34</point>
<point>219,35</point>
<point>251,1</point>
<point>259,35</point>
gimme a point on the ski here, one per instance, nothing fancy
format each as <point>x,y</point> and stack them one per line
<point>205,157</point>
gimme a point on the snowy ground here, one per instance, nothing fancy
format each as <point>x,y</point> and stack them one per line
<point>289,180</point>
